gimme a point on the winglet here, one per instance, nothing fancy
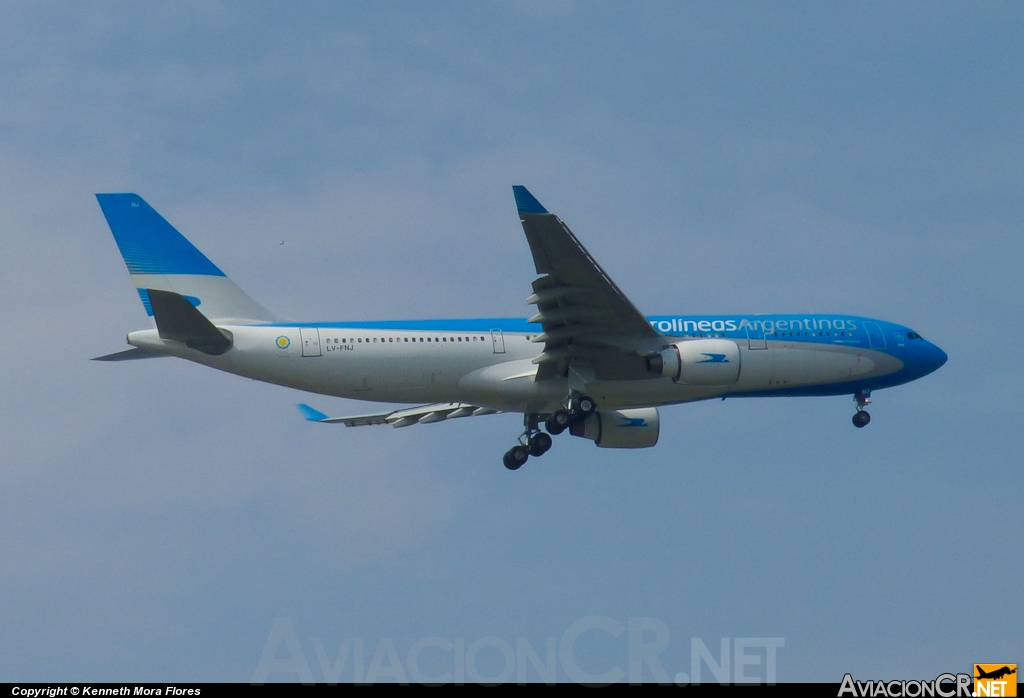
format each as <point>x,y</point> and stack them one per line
<point>310,414</point>
<point>525,201</point>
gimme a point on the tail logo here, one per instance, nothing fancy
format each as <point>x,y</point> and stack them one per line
<point>283,342</point>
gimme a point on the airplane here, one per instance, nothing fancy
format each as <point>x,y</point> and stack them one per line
<point>996,674</point>
<point>587,362</point>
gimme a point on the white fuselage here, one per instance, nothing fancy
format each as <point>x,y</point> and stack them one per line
<point>493,369</point>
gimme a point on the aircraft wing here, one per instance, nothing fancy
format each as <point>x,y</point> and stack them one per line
<point>588,321</point>
<point>423,414</point>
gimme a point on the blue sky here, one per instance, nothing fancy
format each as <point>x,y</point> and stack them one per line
<point>157,517</point>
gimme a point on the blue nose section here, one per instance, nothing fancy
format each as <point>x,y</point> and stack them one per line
<point>934,358</point>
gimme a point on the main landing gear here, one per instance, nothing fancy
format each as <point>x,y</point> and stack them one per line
<point>862,418</point>
<point>535,442</point>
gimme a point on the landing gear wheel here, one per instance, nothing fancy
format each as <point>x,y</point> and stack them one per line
<point>585,406</point>
<point>861,419</point>
<point>539,444</point>
<point>558,422</point>
<point>515,457</point>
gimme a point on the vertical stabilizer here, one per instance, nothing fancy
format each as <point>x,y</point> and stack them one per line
<point>159,257</point>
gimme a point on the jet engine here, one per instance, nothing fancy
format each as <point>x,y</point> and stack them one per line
<point>698,362</point>
<point>633,428</point>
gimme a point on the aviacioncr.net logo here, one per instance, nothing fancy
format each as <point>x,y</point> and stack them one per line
<point>943,686</point>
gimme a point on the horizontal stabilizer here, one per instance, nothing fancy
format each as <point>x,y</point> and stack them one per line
<point>178,320</point>
<point>130,354</point>
<point>423,414</point>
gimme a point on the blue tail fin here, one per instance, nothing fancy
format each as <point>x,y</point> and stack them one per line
<point>159,257</point>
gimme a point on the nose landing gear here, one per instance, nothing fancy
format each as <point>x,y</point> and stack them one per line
<point>862,418</point>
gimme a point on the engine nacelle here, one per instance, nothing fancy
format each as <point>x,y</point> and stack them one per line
<point>633,428</point>
<point>665,363</point>
<point>698,362</point>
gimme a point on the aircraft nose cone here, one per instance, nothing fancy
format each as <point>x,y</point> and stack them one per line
<point>936,358</point>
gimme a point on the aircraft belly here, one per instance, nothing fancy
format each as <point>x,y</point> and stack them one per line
<point>511,385</point>
<point>784,365</point>
<point>649,393</point>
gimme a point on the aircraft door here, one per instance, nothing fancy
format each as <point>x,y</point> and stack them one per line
<point>498,341</point>
<point>875,337</point>
<point>310,341</point>
<point>755,337</point>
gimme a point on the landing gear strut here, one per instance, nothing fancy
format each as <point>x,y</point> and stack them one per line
<point>533,442</point>
<point>862,418</point>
